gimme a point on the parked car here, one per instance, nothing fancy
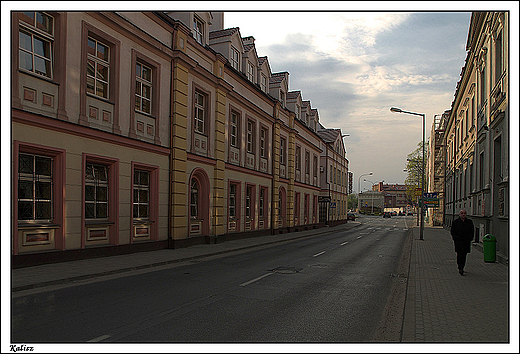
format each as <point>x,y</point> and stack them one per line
<point>410,213</point>
<point>386,214</point>
<point>351,216</point>
<point>401,213</point>
<point>393,213</point>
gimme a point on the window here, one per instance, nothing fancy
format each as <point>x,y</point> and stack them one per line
<point>262,202</point>
<point>143,88</point>
<point>330,173</point>
<point>36,43</point>
<point>198,30</point>
<point>249,194</point>
<point>98,59</point>
<point>298,158</point>
<point>250,72</point>
<point>297,112</point>
<point>235,58</point>
<point>250,137</point>
<point>35,188</point>
<point>141,204</point>
<point>282,98</point>
<point>96,191</point>
<point>483,84</point>
<point>307,163</point>
<point>232,201</point>
<point>233,132</point>
<point>263,83</point>
<point>498,57</point>
<point>200,107</point>
<point>315,166</point>
<point>263,142</point>
<point>282,151</point>
<point>194,199</point>
<point>473,111</point>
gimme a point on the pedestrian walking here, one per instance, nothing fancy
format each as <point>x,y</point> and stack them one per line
<point>462,234</point>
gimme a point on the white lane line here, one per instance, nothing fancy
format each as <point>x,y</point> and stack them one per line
<point>319,254</point>
<point>359,237</point>
<point>256,279</point>
<point>99,339</point>
<point>344,243</point>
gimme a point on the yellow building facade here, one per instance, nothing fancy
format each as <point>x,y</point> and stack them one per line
<point>144,130</point>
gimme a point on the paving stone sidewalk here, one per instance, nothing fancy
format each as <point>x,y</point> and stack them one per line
<point>443,306</point>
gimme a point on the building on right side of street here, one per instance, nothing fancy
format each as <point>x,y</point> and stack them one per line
<point>477,133</point>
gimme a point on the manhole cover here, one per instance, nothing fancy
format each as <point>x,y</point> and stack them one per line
<point>286,270</point>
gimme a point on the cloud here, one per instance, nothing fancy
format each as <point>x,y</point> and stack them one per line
<point>354,66</point>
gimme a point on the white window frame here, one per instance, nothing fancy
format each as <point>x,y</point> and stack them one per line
<point>37,34</point>
<point>198,29</point>
<point>235,58</point>
<point>200,113</point>
<point>250,72</point>
<point>97,63</point>
<point>142,83</point>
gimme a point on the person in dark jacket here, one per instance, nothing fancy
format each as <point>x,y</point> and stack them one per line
<point>462,233</point>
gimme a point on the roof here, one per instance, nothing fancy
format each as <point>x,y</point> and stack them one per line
<point>293,94</point>
<point>329,135</point>
<point>223,32</point>
<point>276,78</point>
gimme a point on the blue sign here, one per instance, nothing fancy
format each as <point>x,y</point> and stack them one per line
<point>333,204</point>
<point>431,195</point>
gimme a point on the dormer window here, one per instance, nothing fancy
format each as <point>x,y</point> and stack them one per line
<point>297,112</point>
<point>250,72</point>
<point>282,98</point>
<point>198,30</point>
<point>263,83</point>
<point>234,58</point>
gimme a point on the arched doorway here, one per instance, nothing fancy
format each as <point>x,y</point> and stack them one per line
<point>199,203</point>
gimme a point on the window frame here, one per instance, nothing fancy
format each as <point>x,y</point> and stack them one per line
<point>112,221</point>
<point>251,137</point>
<point>99,62</point>
<point>33,31</point>
<point>143,82</point>
<point>298,158</point>
<point>198,32</point>
<point>235,62</point>
<point>250,71</point>
<point>58,196</point>
<point>283,150</point>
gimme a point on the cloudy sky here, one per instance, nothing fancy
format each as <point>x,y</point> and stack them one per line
<point>354,66</point>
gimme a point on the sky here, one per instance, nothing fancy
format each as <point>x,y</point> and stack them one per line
<point>355,66</point>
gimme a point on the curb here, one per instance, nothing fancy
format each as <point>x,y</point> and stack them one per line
<point>178,260</point>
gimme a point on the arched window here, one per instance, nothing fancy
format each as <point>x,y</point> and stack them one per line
<point>194,200</point>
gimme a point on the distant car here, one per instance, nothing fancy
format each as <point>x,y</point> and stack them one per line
<point>387,214</point>
<point>410,213</point>
<point>401,213</point>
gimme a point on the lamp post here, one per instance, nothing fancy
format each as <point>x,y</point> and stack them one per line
<point>398,110</point>
<point>359,188</point>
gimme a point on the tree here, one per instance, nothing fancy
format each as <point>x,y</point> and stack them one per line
<point>352,201</point>
<point>415,171</point>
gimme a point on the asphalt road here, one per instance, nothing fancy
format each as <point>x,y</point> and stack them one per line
<point>329,288</point>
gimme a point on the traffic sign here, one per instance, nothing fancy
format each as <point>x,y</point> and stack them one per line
<point>322,198</point>
<point>430,199</point>
<point>333,204</point>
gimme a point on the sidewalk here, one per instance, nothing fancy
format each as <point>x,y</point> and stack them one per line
<point>66,272</point>
<point>443,306</point>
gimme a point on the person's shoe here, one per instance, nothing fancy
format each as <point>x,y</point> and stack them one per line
<point>461,272</point>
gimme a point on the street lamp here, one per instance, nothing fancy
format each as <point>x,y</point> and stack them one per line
<point>399,110</point>
<point>359,188</point>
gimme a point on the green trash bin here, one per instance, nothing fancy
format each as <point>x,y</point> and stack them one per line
<point>490,248</point>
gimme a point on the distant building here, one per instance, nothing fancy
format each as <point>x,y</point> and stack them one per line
<point>371,202</point>
<point>394,195</point>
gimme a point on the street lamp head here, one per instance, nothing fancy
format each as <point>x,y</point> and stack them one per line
<point>344,135</point>
<point>396,110</point>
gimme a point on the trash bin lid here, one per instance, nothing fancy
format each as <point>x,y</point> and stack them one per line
<point>489,238</point>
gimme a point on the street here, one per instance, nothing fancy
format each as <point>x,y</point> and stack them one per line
<point>329,288</point>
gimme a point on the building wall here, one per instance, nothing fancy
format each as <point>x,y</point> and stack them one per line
<point>477,166</point>
<point>201,185</point>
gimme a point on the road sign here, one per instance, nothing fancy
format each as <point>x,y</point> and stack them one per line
<point>333,204</point>
<point>322,199</point>
<point>430,199</point>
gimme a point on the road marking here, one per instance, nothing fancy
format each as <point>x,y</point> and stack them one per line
<point>99,339</point>
<point>256,279</point>
<point>359,237</point>
<point>344,243</point>
<point>319,254</point>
